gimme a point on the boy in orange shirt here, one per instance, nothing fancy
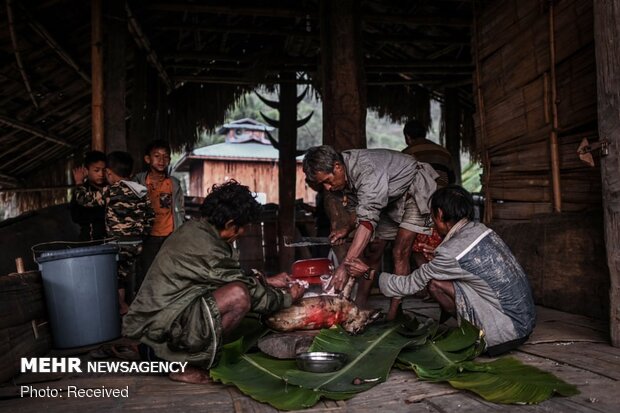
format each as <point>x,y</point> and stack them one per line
<point>166,198</point>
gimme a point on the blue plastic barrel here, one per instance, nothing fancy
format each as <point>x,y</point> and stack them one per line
<point>80,285</point>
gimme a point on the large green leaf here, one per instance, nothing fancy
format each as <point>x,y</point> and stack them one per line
<point>279,382</point>
<point>370,358</point>
<point>507,380</point>
<point>261,378</point>
<point>434,354</point>
<point>440,356</point>
<point>448,358</point>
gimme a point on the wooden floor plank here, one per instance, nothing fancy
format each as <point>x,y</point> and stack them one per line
<point>559,345</point>
<point>599,358</point>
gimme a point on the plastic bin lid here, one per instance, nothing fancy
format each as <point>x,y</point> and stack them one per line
<point>55,251</point>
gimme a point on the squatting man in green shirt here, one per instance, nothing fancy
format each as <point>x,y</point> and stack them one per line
<point>195,292</point>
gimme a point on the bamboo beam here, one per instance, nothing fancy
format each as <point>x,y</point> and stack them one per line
<point>423,69</point>
<point>416,39</point>
<point>55,109</point>
<point>408,20</point>
<point>280,12</point>
<point>369,36</point>
<point>32,130</point>
<point>54,45</point>
<point>236,81</point>
<point>270,61</point>
<point>607,45</point>
<point>406,64</point>
<point>8,180</point>
<point>244,81</point>
<point>240,71</point>
<point>98,138</point>
<point>273,31</point>
<point>143,42</point>
<point>231,10</point>
<point>37,189</point>
<point>442,52</point>
<point>55,153</point>
<point>18,59</point>
<point>219,57</point>
<point>555,151</point>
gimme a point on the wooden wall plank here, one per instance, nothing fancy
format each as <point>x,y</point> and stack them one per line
<point>259,176</point>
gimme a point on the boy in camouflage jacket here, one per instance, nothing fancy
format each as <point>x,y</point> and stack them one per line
<point>128,214</point>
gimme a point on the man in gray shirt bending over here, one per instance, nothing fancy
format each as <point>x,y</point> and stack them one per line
<point>387,190</point>
<point>473,275</point>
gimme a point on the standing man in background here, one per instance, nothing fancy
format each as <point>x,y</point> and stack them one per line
<point>427,151</point>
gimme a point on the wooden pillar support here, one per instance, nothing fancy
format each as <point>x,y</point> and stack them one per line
<point>287,135</point>
<point>482,136</point>
<point>142,108</point>
<point>554,146</point>
<point>98,141</point>
<point>115,74</point>
<point>343,79</point>
<point>607,44</point>
<point>453,137</point>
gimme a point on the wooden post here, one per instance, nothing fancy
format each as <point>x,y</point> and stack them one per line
<point>98,142</point>
<point>482,137</point>
<point>607,44</point>
<point>287,168</point>
<point>343,79</point>
<point>137,122</point>
<point>19,265</point>
<point>115,73</point>
<point>453,139</point>
<point>143,109</point>
<point>554,147</point>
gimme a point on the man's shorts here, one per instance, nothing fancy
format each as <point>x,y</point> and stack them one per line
<point>413,220</point>
<point>197,332</point>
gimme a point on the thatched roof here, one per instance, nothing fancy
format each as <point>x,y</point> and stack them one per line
<point>204,56</point>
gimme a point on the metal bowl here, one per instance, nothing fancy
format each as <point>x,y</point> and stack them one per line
<point>321,362</point>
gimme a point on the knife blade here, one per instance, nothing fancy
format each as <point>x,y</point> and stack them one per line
<point>306,241</point>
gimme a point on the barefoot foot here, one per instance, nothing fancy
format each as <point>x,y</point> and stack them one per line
<point>192,375</point>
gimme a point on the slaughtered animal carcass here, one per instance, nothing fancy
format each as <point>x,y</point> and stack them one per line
<point>322,312</point>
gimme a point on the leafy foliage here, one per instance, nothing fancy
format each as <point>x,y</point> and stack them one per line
<point>434,354</point>
<point>448,358</point>
<point>279,382</point>
<point>470,177</point>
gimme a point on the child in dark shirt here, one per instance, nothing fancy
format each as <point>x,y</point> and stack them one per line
<point>128,214</point>
<point>92,177</point>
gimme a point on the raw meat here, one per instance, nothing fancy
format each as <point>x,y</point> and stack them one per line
<point>322,312</point>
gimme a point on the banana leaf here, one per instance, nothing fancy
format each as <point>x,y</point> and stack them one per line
<point>507,380</point>
<point>261,378</point>
<point>440,355</point>
<point>371,357</point>
<point>448,358</point>
<point>279,382</point>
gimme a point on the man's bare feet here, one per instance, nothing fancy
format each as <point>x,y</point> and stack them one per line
<point>123,308</point>
<point>192,375</point>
